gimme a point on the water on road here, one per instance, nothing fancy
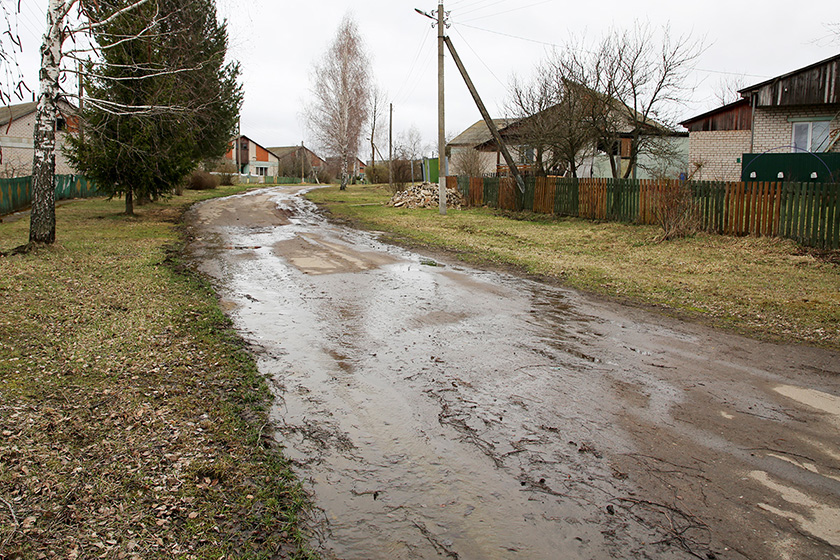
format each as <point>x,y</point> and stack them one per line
<point>437,411</point>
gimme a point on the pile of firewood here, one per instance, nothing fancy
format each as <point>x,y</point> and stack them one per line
<point>425,195</point>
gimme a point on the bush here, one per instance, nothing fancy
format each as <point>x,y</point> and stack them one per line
<point>377,174</point>
<point>676,212</point>
<point>202,181</point>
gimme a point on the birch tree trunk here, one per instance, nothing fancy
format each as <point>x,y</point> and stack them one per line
<point>42,220</point>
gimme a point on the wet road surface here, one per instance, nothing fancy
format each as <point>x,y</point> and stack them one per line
<point>435,411</point>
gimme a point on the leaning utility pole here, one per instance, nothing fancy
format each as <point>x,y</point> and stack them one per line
<point>486,116</point>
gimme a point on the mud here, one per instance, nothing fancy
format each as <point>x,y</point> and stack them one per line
<point>444,412</point>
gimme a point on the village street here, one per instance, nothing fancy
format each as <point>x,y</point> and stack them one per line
<point>435,411</point>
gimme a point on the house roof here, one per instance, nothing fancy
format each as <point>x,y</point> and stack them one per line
<point>815,84</point>
<point>477,133</point>
<point>732,116</point>
<point>14,112</point>
<point>285,151</point>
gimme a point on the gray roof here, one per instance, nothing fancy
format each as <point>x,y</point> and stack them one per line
<point>477,133</point>
<point>14,112</point>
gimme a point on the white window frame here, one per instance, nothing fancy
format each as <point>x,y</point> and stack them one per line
<point>810,123</point>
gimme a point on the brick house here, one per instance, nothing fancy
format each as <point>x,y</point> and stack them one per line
<point>252,159</point>
<point>17,133</point>
<point>290,160</point>
<point>795,113</point>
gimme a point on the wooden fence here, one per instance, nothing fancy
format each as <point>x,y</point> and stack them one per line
<point>806,212</point>
<point>16,194</point>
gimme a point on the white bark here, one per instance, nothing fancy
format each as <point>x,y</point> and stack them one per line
<point>42,224</point>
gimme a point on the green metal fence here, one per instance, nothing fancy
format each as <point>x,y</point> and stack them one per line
<point>806,212</point>
<point>16,194</point>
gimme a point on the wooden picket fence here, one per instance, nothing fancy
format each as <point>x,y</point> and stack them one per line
<point>806,212</point>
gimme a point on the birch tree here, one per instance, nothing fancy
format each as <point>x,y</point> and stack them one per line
<point>341,91</point>
<point>76,34</point>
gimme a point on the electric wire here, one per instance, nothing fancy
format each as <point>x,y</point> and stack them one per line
<point>411,76</point>
<point>725,72</point>
<point>511,10</point>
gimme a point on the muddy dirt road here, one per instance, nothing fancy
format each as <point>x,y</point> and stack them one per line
<point>435,411</point>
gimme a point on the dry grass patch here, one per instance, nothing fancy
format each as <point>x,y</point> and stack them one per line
<point>766,287</point>
<point>132,418</point>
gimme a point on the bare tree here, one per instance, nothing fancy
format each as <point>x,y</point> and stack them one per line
<point>411,143</point>
<point>637,81</point>
<point>378,104</point>
<point>342,96</point>
<point>726,90</point>
<point>467,162</point>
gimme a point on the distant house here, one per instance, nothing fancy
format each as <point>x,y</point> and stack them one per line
<point>464,157</point>
<point>17,133</point>
<point>356,167</point>
<point>291,156</point>
<point>252,159</point>
<point>777,130</point>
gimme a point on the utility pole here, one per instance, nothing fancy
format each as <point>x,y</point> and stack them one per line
<point>391,151</point>
<point>302,163</point>
<point>486,116</point>
<point>441,21</point>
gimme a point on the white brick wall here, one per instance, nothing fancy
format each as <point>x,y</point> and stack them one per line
<point>18,149</point>
<point>713,156</point>
<point>774,132</point>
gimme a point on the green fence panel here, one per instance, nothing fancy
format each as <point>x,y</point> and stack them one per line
<point>491,192</point>
<point>15,194</point>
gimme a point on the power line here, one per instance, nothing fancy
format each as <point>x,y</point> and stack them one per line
<point>411,69</point>
<point>480,59</point>
<point>760,76</point>
<point>512,10</point>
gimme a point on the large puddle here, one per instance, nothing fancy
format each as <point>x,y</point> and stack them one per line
<point>435,411</point>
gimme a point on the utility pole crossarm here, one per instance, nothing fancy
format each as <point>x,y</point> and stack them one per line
<point>486,115</point>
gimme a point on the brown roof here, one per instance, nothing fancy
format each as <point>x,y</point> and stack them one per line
<point>734,116</point>
<point>815,84</point>
<point>285,151</point>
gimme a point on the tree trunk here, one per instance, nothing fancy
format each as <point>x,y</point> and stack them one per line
<point>42,220</point>
<point>129,202</point>
<point>344,166</point>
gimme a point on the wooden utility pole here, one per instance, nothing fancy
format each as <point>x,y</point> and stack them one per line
<point>302,163</point>
<point>486,115</point>
<point>391,150</point>
<point>441,22</point>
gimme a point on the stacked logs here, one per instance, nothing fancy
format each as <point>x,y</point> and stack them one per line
<point>425,195</point>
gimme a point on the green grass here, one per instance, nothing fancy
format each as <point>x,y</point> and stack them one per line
<point>768,288</point>
<point>133,420</point>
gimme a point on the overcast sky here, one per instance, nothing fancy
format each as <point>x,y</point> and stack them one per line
<point>278,41</point>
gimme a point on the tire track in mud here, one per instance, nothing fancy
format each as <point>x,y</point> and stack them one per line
<point>436,411</point>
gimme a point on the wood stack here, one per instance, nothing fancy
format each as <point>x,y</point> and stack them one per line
<point>425,195</point>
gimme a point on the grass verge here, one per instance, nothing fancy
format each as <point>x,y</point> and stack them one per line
<point>768,288</point>
<point>132,419</point>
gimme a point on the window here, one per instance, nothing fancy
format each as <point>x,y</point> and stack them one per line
<point>810,136</point>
